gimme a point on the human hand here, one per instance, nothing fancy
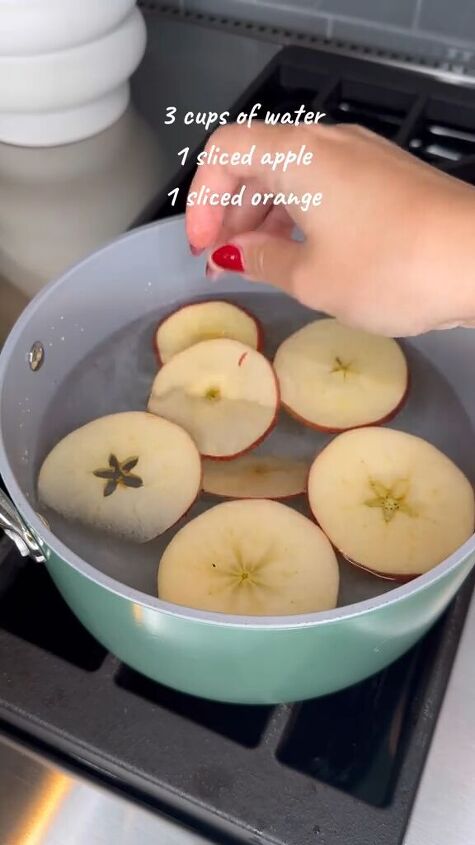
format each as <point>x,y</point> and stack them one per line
<point>390,249</point>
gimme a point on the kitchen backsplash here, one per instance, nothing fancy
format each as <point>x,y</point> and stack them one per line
<point>438,30</point>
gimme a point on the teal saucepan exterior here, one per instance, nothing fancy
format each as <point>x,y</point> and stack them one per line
<point>253,664</point>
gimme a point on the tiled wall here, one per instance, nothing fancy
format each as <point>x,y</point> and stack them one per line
<point>442,30</point>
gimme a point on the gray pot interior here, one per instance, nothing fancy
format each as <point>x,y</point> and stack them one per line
<point>97,325</point>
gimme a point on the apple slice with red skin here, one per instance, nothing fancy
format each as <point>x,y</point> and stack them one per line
<point>205,320</point>
<point>222,392</point>
<point>132,474</point>
<point>333,378</point>
<point>256,477</point>
<point>390,502</point>
<point>251,557</point>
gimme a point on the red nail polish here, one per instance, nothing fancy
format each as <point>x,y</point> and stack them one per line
<point>194,250</point>
<point>228,257</point>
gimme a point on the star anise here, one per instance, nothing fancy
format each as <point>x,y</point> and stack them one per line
<point>119,473</point>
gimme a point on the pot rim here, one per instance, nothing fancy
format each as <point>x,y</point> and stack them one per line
<point>156,605</point>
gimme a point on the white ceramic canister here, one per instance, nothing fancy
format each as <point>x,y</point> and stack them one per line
<point>28,27</point>
<point>72,81</point>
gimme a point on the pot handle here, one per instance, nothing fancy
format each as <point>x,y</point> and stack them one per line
<point>18,531</point>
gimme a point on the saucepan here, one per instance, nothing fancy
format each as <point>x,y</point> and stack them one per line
<point>83,348</point>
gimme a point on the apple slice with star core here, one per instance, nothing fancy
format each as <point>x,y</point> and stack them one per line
<point>132,474</point>
<point>222,392</point>
<point>256,477</point>
<point>197,321</point>
<point>390,502</point>
<point>333,377</point>
<point>252,558</point>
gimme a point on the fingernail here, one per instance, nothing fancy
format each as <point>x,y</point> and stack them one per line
<point>228,257</point>
<point>211,273</point>
<point>194,250</point>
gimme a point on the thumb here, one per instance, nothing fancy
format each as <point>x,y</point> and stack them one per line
<point>261,258</point>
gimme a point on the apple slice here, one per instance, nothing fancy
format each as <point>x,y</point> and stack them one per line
<point>253,558</point>
<point>222,392</point>
<point>132,474</point>
<point>332,377</point>
<point>208,320</point>
<point>390,501</point>
<point>256,477</point>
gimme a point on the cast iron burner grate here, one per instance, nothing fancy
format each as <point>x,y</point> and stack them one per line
<point>244,725</point>
<point>336,770</point>
<point>32,609</point>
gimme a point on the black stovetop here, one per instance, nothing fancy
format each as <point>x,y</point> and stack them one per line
<point>337,770</point>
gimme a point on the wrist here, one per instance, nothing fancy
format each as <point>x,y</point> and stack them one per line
<point>448,253</point>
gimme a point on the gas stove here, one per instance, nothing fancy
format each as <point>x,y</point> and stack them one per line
<point>92,752</point>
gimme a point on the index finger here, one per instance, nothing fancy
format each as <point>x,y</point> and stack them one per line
<point>204,222</point>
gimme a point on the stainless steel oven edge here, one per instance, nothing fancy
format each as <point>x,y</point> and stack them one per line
<point>44,804</point>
